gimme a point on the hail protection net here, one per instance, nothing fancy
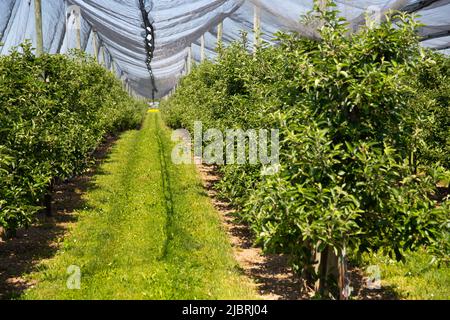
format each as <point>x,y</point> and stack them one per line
<point>148,42</point>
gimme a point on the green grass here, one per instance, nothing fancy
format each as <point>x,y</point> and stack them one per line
<point>148,231</point>
<point>415,279</point>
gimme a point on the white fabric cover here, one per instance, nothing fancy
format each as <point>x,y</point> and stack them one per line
<point>179,24</point>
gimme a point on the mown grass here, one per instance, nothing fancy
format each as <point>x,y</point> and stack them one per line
<point>418,278</point>
<point>148,231</point>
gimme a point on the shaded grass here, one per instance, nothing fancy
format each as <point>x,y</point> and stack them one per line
<point>415,279</point>
<point>147,232</point>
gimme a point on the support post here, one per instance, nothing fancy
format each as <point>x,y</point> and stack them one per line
<point>75,13</point>
<point>344,281</point>
<point>113,67</point>
<point>102,50</point>
<point>202,48</point>
<point>257,27</point>
<point>78,28</point>
<point>95,44</point>
<point>329,269</point>
<point>189,60</point>
<point>39,32</point>
<point>219,34</point>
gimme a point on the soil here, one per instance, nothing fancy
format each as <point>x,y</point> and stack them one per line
<point>272,274</point>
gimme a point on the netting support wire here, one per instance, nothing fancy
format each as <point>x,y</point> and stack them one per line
<point>39,32</point>
<point>257,27</point>
<point>202,48</point>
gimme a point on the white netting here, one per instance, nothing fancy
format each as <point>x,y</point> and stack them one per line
<point>178,25</point>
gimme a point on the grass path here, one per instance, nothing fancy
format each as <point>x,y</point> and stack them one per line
<point>148,231</point>
<point>417,278</point>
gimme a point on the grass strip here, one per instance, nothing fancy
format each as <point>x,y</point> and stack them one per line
<point>147,231</point>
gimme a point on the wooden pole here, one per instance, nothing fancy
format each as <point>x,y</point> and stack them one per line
<point>95,44</point>
<point>102,50</point>
<point>219,34</point>
<point>189,60</point>
<point>257,27</point>
<point>39,32</point>
<point>78,27</point>
<point>113,67</point>
<point>202,48</point>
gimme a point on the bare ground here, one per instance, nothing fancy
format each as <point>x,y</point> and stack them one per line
<point>272,274</point>
<point>274,278</point>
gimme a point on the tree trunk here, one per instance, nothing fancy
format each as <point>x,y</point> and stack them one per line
<point>48,200</point>
<point>6,234</point>
<point>328,272</point>
<point>344,281</point>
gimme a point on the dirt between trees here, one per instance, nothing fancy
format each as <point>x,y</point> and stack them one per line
<point>271,273</point>
<point>22,254</point>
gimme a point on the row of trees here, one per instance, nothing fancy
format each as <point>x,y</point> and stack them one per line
<point>54,112</point>
<point>365,137</point>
